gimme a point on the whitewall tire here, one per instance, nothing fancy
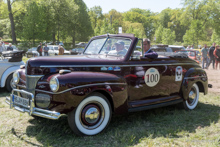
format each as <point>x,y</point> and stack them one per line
<point>193,98</point>
<point>91,116</point>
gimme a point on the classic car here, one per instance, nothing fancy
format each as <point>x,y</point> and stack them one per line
<point>93,86</point>
<point>193,54</point>
<point>10,61</point>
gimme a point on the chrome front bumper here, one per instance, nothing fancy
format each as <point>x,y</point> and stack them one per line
<point>32,110</point>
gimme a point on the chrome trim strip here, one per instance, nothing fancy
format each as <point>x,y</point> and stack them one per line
<point>34,76</point>
<point>195,77</point>
<point>97,84</point>
<point>115,65</point>
<point>22,86</point>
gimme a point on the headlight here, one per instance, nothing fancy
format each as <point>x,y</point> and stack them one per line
<point>16,77</point>
<point>42,100</point>
<point>54,84</point>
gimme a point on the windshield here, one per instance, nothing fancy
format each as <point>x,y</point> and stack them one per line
<point>109,46</point>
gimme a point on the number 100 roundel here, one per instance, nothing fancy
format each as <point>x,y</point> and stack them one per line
<point>152,77</point>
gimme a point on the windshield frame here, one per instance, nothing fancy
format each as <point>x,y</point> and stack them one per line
<point>106,40</point>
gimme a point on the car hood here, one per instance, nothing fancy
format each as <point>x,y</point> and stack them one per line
<point>74,60</point>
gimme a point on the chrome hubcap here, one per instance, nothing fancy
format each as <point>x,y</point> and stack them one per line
<point>92,115</point>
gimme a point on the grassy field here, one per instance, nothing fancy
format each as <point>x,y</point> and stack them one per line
<point>167,126</point>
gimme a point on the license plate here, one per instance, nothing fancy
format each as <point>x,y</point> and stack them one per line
<point>20,101</point>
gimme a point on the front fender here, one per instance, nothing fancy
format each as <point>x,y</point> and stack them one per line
<point>194,75</point>
<point>76,86</point>
<point>7,72</point>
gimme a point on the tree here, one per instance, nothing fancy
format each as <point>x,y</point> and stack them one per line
<point>168,36</point>
<point>134,28</point>
<point>165,17</point>
<point>195,33</point>
<point>159,34</point>
<point>215,37</point>
<point>141,16</point>
<point>95,13</point>
<point>11,17</point>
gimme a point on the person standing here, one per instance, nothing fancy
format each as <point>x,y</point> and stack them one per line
<point>1,47</point>
<point>188,47</point>
<point>39,49</point>
<point>61,50</point>
<point>216,54</point>
<point>212,58</point>
<point>204,52</point>
<point>10,48</point>
<point>45,49</point>
<point>147,51</point>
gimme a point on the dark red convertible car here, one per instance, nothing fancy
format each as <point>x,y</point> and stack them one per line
<point>100,82</point>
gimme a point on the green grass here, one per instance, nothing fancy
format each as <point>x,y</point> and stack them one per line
<point>167,126</point>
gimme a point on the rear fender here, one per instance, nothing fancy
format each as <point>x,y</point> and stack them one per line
<point>194,75</point>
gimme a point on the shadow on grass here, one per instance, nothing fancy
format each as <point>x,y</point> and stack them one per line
<point>127,130</point>
<point>4,92</point>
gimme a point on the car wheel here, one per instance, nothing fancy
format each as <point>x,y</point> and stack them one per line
<point>91,116</point>
<point>9,83</point>
<point>193,98</point>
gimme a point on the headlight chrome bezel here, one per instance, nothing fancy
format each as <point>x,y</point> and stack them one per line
<point>54,84</point>
<point>16,77</point>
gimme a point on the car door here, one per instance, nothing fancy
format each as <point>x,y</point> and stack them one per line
<point>149,81</point>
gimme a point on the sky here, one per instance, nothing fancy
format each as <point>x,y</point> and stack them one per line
<point>125,5</point>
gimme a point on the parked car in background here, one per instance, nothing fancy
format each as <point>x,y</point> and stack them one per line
<point>162,50</point>
<point>13,46</point>
<point>32,52</point>
<point>10,61</point>
<point>53,50</point>
<point>191,53</point>
<point>176,47</point>
<point>76,51</point>
<point>91,87</point>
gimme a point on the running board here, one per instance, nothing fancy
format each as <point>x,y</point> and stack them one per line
<point>155,105</point>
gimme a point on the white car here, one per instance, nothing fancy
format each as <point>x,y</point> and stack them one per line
<point>53,50</point>
<point>10,61</point>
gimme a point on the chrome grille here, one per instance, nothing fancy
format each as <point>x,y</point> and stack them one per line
<point>31,82</point>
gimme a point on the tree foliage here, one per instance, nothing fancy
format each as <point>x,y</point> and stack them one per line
<point>39,20</point>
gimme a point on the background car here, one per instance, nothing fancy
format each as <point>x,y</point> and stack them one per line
<point>32,52</point>
<point>76,51</point>
<point>176,47</point>
<point>53,50</point>
<point>193,54</point>
<point>162,50</point>
<point>10,61</point>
